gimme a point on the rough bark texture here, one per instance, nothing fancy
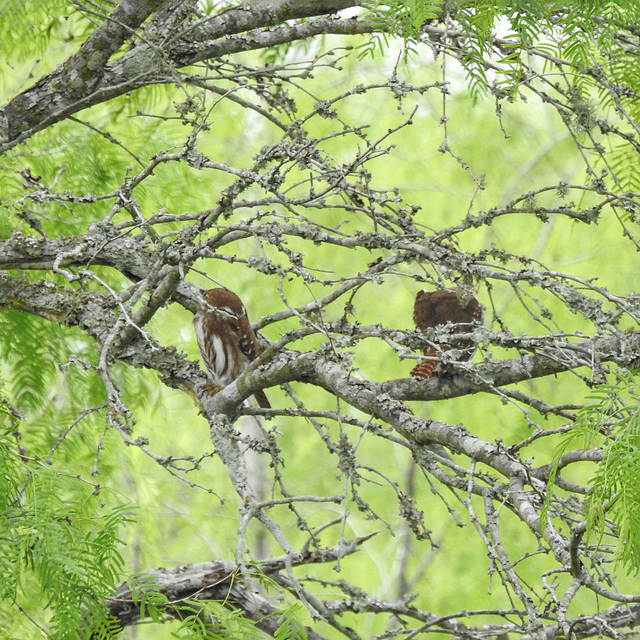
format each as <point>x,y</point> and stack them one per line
<point>176,38</point>
<point>233,586</point>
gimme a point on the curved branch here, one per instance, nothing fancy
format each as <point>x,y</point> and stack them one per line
<point>87,78</point>
<point>80,75</point>
<point>220,581</point>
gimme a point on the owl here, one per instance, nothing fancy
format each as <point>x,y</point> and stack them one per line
<point>226,340</point>
<point>458,307</point>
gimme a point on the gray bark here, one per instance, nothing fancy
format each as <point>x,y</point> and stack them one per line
<point>176,37</point>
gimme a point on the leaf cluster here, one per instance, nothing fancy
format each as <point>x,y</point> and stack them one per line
<point>612,506</point>
<point>58,545</point>
<point>613,501</point>
<point>495,37</point>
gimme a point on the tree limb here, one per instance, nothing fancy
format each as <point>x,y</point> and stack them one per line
<point>88,78</point>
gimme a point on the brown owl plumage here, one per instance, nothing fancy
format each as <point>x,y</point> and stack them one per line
<point>226,340</point>
<point>460,308</point>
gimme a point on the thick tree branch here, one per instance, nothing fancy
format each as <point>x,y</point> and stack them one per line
<point>90,312</point>
<point>87,78</point>
<point>220,581</point>
<point>50,99</point>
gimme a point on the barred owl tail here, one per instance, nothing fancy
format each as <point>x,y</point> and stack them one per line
<point>425,369</point>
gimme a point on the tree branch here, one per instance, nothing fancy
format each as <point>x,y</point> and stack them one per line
<point>52,97</point>
<point>87,78</point>
<point>220,581</point>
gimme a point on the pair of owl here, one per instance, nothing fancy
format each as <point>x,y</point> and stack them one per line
<point>228,344</point>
